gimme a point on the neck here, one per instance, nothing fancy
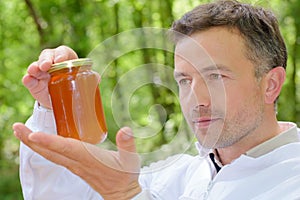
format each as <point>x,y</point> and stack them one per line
<point>263,133</point>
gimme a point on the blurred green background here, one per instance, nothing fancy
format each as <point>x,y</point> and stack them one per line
<point>28,26</point>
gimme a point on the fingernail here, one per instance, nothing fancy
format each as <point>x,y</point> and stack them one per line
<point>127,134</point>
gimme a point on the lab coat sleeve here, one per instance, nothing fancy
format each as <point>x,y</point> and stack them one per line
<point>43,179</point>
<point>144,195</point>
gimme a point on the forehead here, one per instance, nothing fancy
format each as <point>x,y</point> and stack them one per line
<point>215,46</point>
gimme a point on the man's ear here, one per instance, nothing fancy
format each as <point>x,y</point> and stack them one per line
<point>274,81</point>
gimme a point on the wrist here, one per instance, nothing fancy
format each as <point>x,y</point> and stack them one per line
<point>39,105</point>
<point>42,119</point>
<point>130,192</point>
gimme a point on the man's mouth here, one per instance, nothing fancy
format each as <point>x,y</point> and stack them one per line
<point>204,122</point>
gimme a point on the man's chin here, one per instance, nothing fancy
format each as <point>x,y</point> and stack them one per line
<point>206,141</point>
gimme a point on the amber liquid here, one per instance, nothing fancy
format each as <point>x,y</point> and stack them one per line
<point>77,105</point>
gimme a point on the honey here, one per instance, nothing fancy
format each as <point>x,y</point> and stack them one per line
<point>76,101</point>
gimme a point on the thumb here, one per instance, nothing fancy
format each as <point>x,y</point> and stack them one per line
<point>127,150</point>
<point>21,132</point>
<point>125,140</point>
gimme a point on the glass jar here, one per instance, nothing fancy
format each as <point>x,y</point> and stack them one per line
<point>76,101</point>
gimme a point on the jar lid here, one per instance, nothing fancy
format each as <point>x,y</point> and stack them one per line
<point>70,63</point>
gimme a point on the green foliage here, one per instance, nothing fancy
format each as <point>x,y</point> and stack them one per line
<point>10,188</point>
<point>29,26</point>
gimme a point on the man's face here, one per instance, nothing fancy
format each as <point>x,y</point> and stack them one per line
<point>220,97</point>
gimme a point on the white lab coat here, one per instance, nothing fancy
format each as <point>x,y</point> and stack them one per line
<point>275,175</point>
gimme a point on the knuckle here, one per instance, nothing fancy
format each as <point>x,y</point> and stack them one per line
<point>45,56</point>
<point>46,52</point>
<point>62,47</point>
<point>32,67</point>
<point>69,53</point>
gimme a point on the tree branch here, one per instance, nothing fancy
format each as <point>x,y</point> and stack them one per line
<point>36,20</point>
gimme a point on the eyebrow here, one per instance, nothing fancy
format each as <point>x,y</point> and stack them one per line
<point>179,74</point>
<point>217,67</point>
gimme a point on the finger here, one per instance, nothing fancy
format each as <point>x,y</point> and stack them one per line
<point>74,150</point>
<point>29,81</point>
<point>125,140</point>
<point>46,59</point>
<point>51,56</point>
<point>58,144</point>
<point>35,71</point>
<point>38,89</point>
<point>21,132</point>
<point>63,53</point>
<point>35,86</point>
<point>127,150</point>
<point>59,159</point>
<point>24,134</point>
<point>70,148</point>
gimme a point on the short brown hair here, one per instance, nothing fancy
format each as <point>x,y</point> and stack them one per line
<point>258,27</point>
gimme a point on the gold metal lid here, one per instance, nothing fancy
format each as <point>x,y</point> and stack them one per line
<point>70,63</point>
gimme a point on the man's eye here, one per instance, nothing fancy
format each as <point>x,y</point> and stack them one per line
<point>184,82</point>
<point>215,76</point>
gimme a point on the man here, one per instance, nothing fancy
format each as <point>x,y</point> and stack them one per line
<point>230,62</point>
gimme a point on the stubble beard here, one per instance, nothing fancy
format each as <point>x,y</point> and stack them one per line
<point>229,131</point>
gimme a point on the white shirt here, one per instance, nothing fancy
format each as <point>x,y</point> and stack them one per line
<point>273,175</point>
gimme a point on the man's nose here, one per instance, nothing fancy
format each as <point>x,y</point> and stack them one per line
<point>201,93</point>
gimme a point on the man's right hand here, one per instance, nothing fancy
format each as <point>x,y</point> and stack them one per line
<point>113,174</point>
<point>37,78</point>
